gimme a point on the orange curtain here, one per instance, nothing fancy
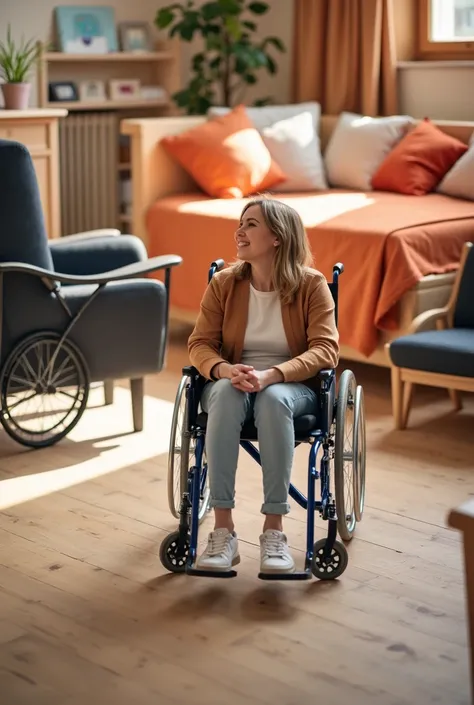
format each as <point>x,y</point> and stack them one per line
<point>344,55</point>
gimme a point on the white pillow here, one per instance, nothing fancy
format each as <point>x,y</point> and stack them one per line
<point>268,115</point>
<point>358,145</point>
<point>297,153</point>
<point>459,181</point>
<point>294,145</point>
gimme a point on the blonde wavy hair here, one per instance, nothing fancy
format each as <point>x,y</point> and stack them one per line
<point>293,254</point>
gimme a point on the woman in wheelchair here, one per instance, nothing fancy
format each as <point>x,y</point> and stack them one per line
<point>266,328</point>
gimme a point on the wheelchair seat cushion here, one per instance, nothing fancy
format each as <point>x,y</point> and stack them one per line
<point>449,352</point>
<point>304,427</point>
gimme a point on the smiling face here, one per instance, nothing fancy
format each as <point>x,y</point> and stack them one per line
<point>255,241</point>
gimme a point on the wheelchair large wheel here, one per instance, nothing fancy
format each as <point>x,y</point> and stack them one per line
<point>359,453</point>
<point>44,387</point>
<point>344,456</point>
<point>182,456</point>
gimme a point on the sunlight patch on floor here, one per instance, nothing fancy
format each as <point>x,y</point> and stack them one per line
<point>114,451</point>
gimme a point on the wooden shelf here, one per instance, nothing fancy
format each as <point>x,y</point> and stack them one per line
<point>59,56</point>
<point>77,105</point>
<point>158,68</point>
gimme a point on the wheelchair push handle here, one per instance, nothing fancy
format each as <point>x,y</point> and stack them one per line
<point>216,266</point>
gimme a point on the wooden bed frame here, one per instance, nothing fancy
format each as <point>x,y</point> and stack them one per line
<point>155,175</point>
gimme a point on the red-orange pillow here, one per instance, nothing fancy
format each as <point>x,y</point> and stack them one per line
<point>419,161</point>
<point>226,156</point>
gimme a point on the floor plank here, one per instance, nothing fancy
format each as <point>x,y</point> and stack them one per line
<point>88,614</point>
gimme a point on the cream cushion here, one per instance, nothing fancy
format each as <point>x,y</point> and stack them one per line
<point>358,145</point>
<point>295,146</point>
<point>459,180</point>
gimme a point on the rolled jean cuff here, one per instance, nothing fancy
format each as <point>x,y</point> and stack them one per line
<point>222,504</point>
<point>275,508</point>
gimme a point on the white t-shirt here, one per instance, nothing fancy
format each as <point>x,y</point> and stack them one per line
<point>265,343</point>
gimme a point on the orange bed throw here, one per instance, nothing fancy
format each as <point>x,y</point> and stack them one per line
<point>387,243</point>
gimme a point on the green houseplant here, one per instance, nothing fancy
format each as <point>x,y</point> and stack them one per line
<point>16,63</point>
<point>231,56</point>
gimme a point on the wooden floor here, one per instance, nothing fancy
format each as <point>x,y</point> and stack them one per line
<point>88,615</point>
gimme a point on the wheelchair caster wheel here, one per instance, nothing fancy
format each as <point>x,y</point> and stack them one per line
<point>173,557</point>
<point>334,566</point>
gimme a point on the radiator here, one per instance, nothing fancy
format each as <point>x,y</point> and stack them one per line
<point>89,171</point>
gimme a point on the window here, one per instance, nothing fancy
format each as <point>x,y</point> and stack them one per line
<point>446,29</point>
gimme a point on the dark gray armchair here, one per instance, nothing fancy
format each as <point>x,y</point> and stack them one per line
<point>443,357</point>
<point>72,312</point>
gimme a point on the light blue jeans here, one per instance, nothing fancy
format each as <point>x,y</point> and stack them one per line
<point>273,411</point>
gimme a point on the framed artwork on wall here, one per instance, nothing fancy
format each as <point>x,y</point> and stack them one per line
<point>86,29</point>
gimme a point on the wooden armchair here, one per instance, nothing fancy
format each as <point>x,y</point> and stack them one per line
<point>443,357</point>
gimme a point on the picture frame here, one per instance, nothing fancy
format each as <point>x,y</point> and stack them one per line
<point>92,90</point>
<point>86,29</point>
<point>135,37</point>
<point>124,89</point>
<point>62,92</point>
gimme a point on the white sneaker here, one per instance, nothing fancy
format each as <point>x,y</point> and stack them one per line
<point>275,556</point>
<point>222,551</point>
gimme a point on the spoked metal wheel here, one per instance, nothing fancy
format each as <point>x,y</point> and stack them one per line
<point>182,456</point>
<point>344,456</point>
<point>359,453</point>
<point>44,387</point>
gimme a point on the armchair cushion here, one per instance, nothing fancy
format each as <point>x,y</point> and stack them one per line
<point>123,332</point>
<point>464,312</point>
<point>449,352</point>
<point>23,235</point>
<point>96,255</point>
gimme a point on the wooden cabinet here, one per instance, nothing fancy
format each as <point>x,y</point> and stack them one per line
<point>37,129</point>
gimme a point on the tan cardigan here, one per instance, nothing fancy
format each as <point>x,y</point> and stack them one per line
<point>309,324</point>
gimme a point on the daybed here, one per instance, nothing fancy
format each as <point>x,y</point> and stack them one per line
<point>400,252</point>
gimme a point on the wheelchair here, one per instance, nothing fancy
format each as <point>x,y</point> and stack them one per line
<point>336,433</point>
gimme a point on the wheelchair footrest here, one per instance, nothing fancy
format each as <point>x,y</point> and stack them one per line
<point>211,573</point>
<point>306,575</point>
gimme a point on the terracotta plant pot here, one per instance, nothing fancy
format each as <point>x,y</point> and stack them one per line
<point>16,95</point>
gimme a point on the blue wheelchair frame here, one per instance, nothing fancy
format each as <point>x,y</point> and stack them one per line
<point>187,535</point>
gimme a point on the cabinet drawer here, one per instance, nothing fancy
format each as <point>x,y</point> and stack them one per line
<point>32,135</point>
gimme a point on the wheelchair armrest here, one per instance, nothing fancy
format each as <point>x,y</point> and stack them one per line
<point>326,376</point>
<point>130,271</point>
<point>190,371</point>
<point>327,398</point>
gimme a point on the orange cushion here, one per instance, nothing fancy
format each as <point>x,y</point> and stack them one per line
<point>226,156</point>
<point>419,161</point>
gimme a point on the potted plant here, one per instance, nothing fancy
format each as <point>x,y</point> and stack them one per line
<point>231,57</point>
<point>16,63</point>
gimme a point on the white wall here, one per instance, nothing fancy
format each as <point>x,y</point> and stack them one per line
<point>34,18</point>
<point>440,90</point>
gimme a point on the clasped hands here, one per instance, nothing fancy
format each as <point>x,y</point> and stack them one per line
<point>246,378</point>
